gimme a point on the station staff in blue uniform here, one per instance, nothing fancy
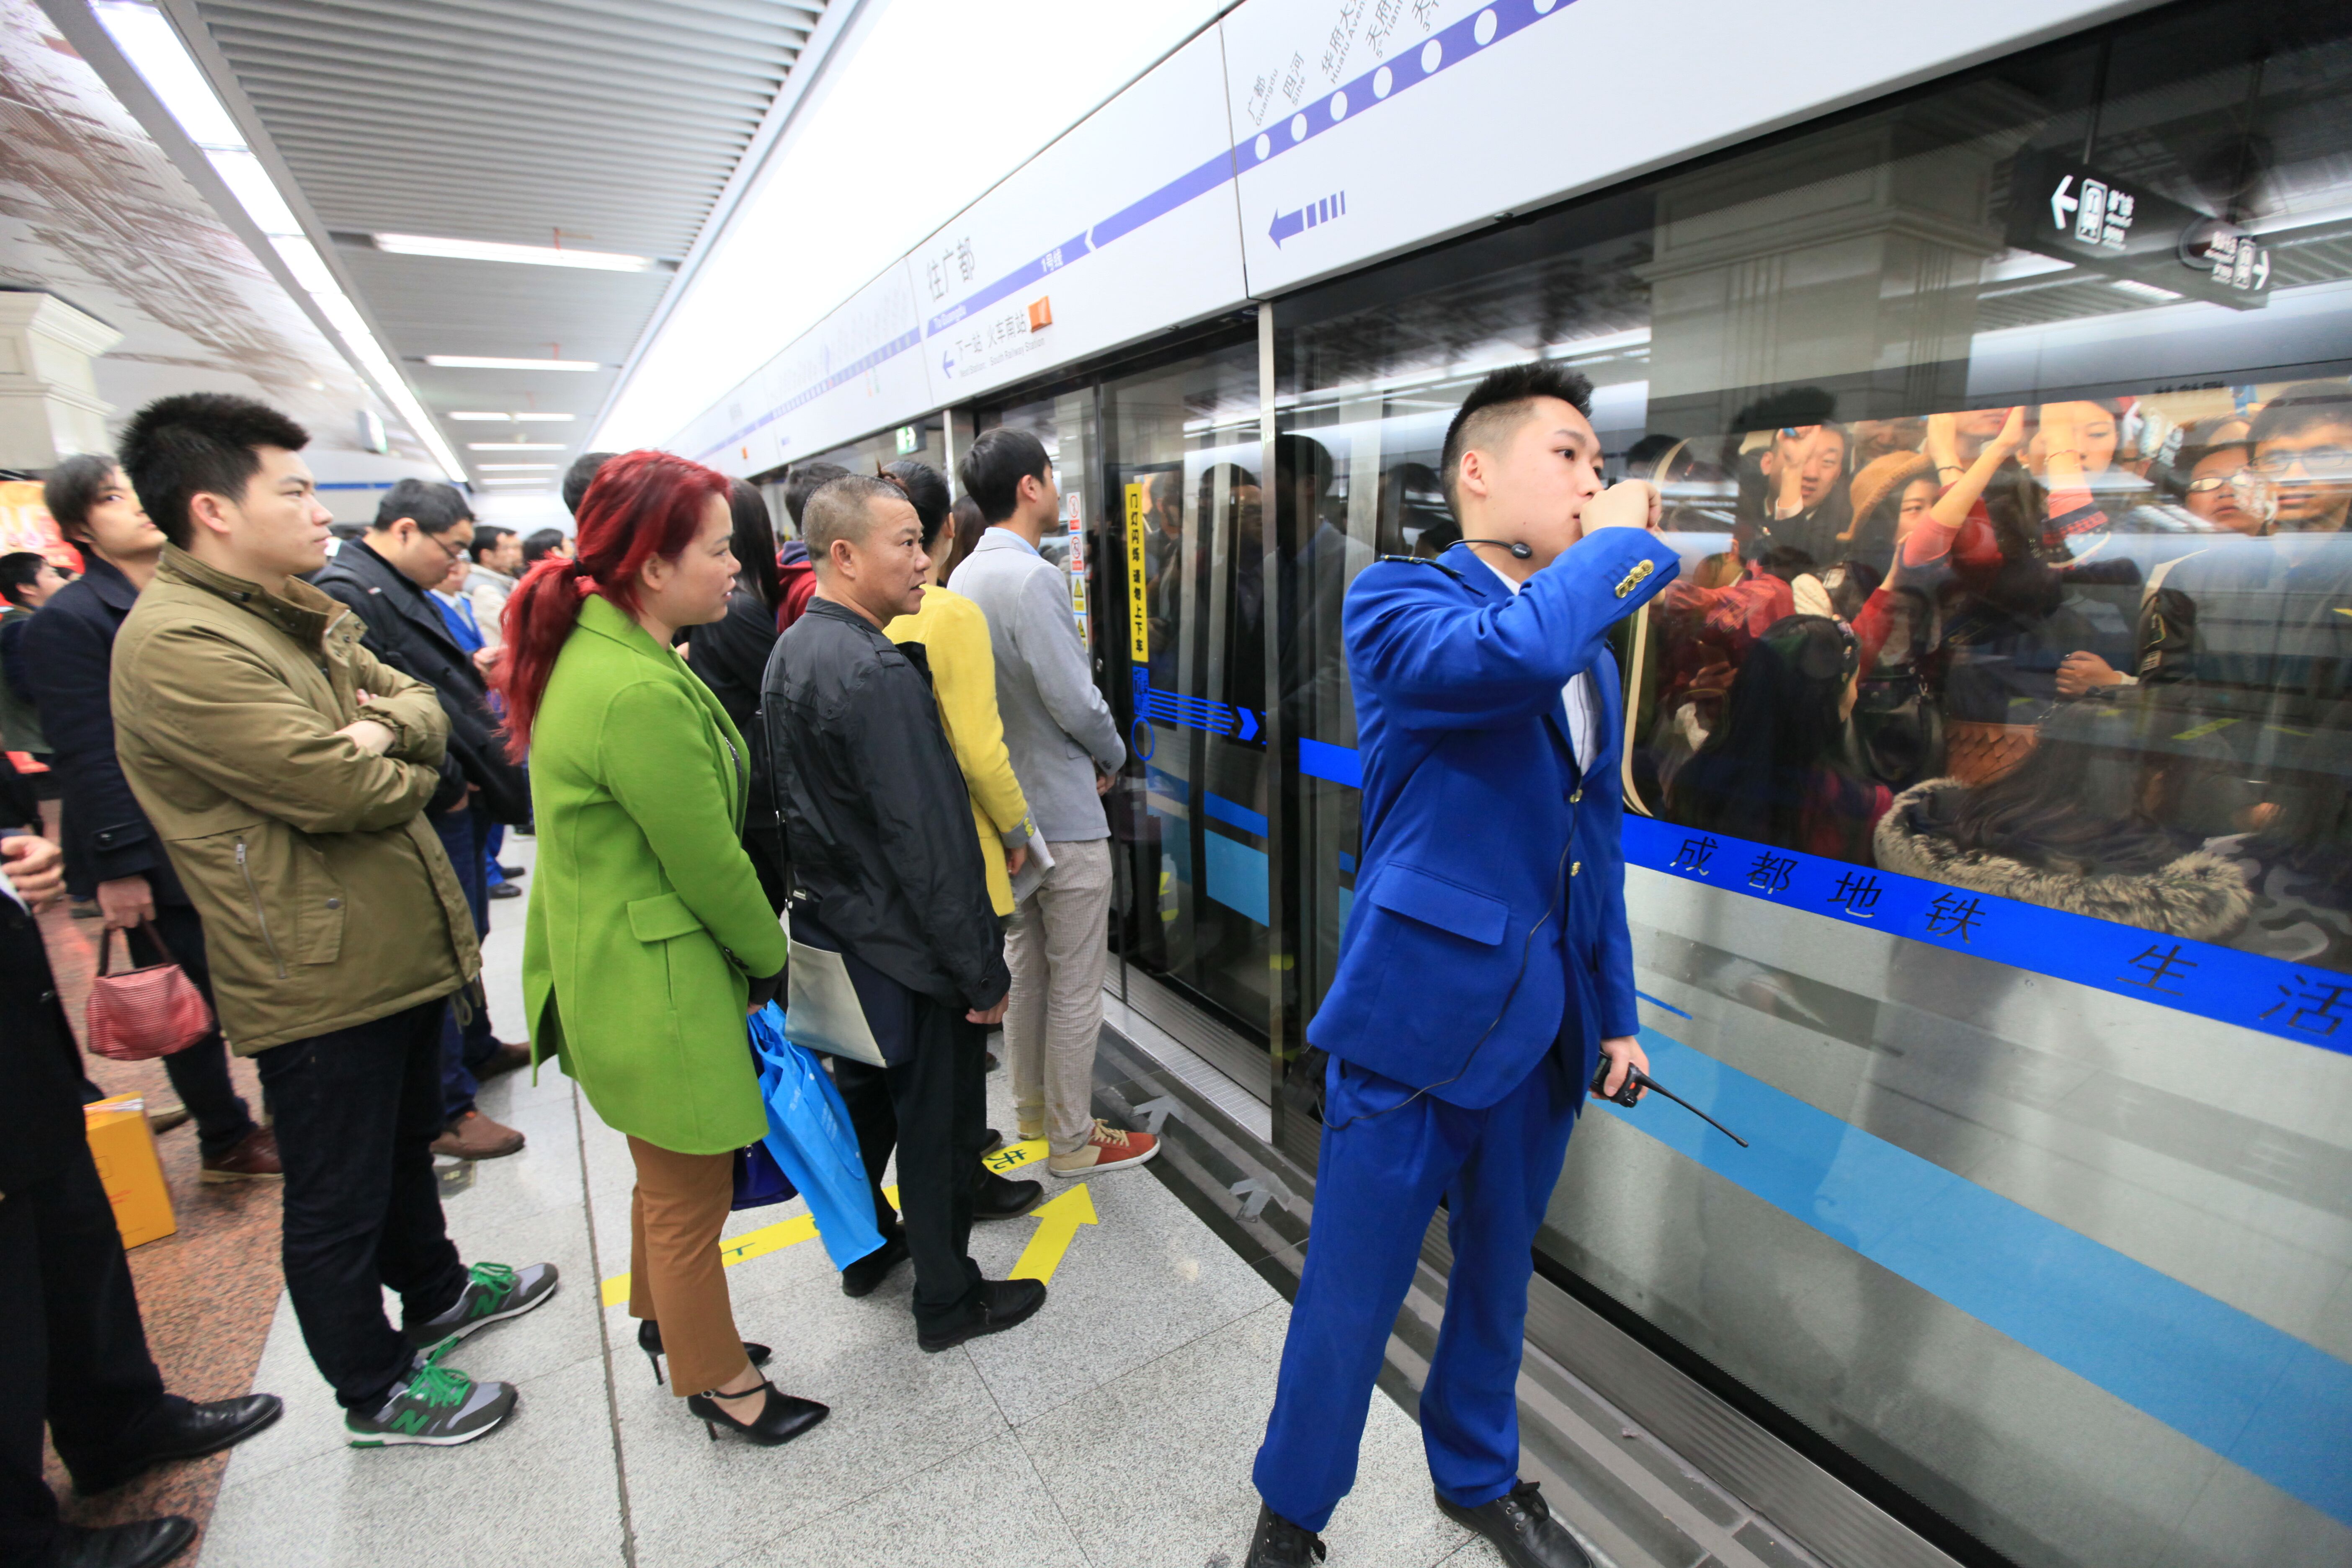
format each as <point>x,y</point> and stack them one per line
<point>1486,968</point>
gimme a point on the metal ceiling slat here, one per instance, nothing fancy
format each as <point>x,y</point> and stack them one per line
<point>623,140</point>
<point>294,100</point>
<point>667,23</point>
<point>591,81</point>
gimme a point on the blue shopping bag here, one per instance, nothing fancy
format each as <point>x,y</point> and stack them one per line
<point>808,1134</point>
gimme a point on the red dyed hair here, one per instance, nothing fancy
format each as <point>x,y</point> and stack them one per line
<point>642,504</point>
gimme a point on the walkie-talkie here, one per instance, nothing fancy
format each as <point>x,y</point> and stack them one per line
<point>1636,1080</point>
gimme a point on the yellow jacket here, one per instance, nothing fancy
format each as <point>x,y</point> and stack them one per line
<point>954,635</point>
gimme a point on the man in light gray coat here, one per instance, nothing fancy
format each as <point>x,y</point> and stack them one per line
<point>1066,750</point>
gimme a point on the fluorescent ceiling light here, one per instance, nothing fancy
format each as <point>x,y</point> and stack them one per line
<point>528,255</point>
<point>515,481</point>
<point>518,418</point>
<point>148,41</point>
<point>515,445</point>
<point>483,361</point>
<point>2145,291</point>
<point>492,467</point>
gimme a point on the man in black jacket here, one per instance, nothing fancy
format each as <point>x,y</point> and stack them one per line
<point>420,529</point>
<point>73,1353</point>
<point>878,827</point>
<point>112,855</point>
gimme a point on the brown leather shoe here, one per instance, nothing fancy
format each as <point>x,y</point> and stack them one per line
<point>254,1159</point>
<point>474,1136</point>
<point>507,1058</point>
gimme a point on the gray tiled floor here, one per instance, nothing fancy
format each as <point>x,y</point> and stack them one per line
<point>1117,1428</point>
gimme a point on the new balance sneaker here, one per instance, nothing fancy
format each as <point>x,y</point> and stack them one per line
<point>1109,1149</point>
<point>493,1293</point>
<point>439,1407</point>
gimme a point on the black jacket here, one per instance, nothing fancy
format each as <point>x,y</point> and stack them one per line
<point>70,648</point>
<point>876,818</point>
<point>731,654</point>
<point>406,630</point>
<point>40,1073</point>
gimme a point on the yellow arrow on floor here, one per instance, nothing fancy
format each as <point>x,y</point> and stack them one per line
<point>1058,1227</point>
<point>792,1232</point>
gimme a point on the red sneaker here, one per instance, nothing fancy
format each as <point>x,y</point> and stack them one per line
<point>1110,1149</point>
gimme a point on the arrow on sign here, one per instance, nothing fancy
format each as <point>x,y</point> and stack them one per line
<point>1285,225</point>
<point>1155,1111</point>
<point>1058,1227</point>
<point>2061,203</point>
<point>1253,1194</point>
<point>1248,731</point>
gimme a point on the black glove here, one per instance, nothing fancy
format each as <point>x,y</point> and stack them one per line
<point>766,988</point>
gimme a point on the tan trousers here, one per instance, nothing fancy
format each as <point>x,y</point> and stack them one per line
<point>676,1213</point>
<point>1056,944</point>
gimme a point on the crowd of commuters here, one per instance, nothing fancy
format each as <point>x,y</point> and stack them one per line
<point>2089,654</point>
<point>284,754</point>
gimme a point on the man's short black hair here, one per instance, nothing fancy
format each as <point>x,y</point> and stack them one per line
<point>485,541</point>
<point>581,475</point>
<point>537,547</point>
<point>993,470</point>
<point>803,480</point>
<point>199,443</point>
<point>436,509</point>
<point>19,570</point>
<point>2305,406</point>
<point>1495,407</point>
<point>72,488</point>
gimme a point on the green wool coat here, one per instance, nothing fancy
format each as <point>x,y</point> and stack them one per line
<point>645,916</point>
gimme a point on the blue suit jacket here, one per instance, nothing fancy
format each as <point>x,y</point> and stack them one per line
<point>1470,793</point>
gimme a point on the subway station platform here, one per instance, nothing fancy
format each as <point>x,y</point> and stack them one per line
<point>1116,1428</point>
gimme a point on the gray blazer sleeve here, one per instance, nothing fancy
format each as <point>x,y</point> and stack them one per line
<point>1048,640</point>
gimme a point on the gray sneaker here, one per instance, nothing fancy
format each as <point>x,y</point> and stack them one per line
<point>439,1407</point>
<point>493,1293</point>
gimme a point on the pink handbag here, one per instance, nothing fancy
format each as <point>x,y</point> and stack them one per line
<point>145,1011</point>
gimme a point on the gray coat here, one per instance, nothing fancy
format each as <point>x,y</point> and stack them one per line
<point>1058,728</point>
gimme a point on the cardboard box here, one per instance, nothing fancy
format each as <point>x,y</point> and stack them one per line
<point>124,1147</point>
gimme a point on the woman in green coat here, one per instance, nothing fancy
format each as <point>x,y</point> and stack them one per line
<point>648,937</point>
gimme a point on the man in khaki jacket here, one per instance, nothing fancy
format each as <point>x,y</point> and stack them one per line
<point>285,770</point>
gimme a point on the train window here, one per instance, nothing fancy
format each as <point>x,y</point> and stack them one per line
<point>1987,764</point>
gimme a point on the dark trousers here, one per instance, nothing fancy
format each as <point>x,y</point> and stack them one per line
<point>72,1352</point>
<point>934,1109</point>
<point>357,1111</point>
<point>199,1075</point>
<point>465,1046</point>
<point>1375,1184</point>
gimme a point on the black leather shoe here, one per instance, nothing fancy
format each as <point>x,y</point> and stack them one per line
<point>649,1342</point>
<point>511,872</point>
<point>865,1277</point>
<point>1279,1543</point>
<point>505,890</point>
<point>783,1418</point>
<point>1521,1525</point>
<point>994,1306</point>
<point>998,1197</point>
<point>143,1543</point>
<point>178,1430</point>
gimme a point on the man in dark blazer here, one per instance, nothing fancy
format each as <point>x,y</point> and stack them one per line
<point>1485,969</point>
<point>112,855</point>
<point>420,529</point>
<point>73,1353</point>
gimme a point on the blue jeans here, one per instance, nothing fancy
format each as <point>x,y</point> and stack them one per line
<point>465,1047</point>
<point>491,844</point>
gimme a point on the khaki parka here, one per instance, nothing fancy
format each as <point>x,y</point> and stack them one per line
<point>326,897</point>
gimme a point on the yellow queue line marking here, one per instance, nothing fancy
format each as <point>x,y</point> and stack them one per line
<point>803,1227</point>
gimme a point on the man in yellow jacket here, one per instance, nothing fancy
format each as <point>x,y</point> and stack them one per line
<point>285,769</point>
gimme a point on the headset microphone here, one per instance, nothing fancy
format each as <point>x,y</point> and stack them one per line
<point>1519,551</point>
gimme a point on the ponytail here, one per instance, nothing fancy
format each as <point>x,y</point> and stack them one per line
<point>536,624</point>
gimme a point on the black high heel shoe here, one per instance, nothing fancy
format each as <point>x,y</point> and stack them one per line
<point>649,1342</point>
<point>782,1418</point>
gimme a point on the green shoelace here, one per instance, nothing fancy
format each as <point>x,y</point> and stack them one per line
<point>497,1282</point>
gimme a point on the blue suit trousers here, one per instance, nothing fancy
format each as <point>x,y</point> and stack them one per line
<point>1376,1183</point>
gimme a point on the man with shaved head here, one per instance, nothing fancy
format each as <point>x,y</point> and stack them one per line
<point>889,901</point>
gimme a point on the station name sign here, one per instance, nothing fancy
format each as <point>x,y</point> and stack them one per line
<point>2064,208</point>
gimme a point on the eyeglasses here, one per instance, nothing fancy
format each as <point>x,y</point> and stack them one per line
<point>452,554</point>
<point>2209,484</point>
<point>2321,462</point>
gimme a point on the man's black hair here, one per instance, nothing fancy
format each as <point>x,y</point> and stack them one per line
<point>436,509</point>
<point>993,470</point>
<point>199,443</point>
<point>485,541</point>
<point>581,475</point>
<point>2305,406</point>
<point>804,480</point>
<point>72,488</point>
<point>538,546</point>
<point>1496,404</point>
<point>19,570</point>
<point>927,488</point>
